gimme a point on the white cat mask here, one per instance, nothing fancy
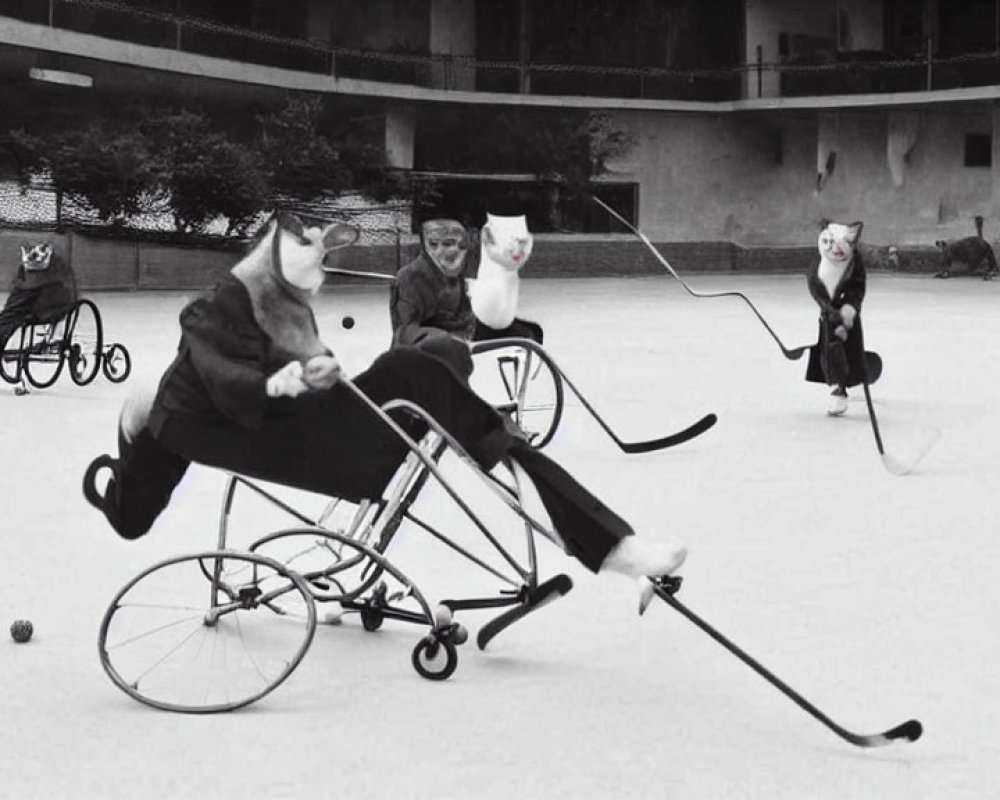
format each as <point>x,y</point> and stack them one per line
<point>36,257</point>
<point>507,241</point>
<point>282,273</point>
<point>837,241</point>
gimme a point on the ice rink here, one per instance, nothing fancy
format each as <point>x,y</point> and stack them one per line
<point>872,595</point>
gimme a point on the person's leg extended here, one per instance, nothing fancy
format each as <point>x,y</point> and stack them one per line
<point>590,531</point>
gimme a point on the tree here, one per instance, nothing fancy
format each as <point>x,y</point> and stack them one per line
<point>566,151</point>
<point>299,160</point>
<point>107,168</point>
<point>205,174</point>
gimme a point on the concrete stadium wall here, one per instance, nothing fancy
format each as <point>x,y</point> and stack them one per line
<point>108,264</point>
<point>751,179</point>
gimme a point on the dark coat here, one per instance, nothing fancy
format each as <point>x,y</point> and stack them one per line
<point>832,361</point>
<point>39,296</point>
<point>212,408</point>
<point>424,301</point>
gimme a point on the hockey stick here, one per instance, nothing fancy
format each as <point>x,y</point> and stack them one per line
<point>358,273</point>
<point>793,354</point>
<point>910,731</point>
<point>680,437</point>
<point>896,465</point>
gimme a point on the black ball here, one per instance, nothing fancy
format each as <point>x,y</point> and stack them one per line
<point>347,322</point>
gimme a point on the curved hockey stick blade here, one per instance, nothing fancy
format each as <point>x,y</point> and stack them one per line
<point>911,730</point>
<point>793,355</point>
<point>680,437</point>
<point>544,593</point>
<point>899,466</point>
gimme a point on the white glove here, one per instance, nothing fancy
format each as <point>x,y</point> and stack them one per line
<point>287,381</point>
<point>848,313</point>
<point>321,372</point>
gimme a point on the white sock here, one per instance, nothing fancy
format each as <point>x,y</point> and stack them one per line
<point>639,557</point>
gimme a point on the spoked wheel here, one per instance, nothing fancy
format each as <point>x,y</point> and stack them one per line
<point>43,355</point>
<point>85,345</point>
<point>435,658</point>
<point>341,570</point>
<point>207,632</point>
<point>11,362</point>
<point>333,566</point>
<point>117,363</point>
<point>521,381</point>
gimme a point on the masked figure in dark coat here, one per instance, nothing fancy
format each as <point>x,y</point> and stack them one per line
<point>43,290</point>
<point>837,282</point>
<point>254,390</point>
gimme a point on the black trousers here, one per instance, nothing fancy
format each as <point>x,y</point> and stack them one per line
<point>331,443</point>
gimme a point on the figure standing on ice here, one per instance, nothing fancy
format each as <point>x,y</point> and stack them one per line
<point>837,282</point>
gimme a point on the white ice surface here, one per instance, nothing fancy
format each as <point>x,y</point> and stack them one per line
<point>872,595</point>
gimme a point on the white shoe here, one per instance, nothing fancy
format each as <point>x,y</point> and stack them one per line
<point>838,404</point>
<point>638,557</point>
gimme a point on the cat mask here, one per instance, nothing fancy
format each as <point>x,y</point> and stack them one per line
<point>445,243</point>
<point>837,241</point>
<point>282,273</point>
<point>36,257</point>
<point>507,241</point>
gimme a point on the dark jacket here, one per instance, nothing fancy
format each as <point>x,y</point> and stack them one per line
<point>424,302</point>
<point>829,352</point>
<point>222,364</point>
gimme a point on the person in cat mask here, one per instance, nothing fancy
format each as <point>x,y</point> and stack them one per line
<point>429,304</point>
<point>837,282</point>
<point>254,390</point>
<point>43,290</point>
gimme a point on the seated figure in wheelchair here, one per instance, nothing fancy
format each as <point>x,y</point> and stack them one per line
<point>253,389</point>
<point>42,292</point>
<point>431,305</point>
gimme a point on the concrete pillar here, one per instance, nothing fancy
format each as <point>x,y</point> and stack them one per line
<point>761,42</point>
<point>453,33</point>
<point>995,164</point>
<point>400,132</point>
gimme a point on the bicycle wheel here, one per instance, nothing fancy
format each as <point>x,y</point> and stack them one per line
<point>204,633</point>
<point>11,360</point>
<point>117,363</point>
<point>521,381</point>
<point>43,356</point>
<point>342,570</point>
<point>85,342</point>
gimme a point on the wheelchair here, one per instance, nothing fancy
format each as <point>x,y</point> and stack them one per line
<point>219,629</point>
<point>523,382</point>
<point>36,353</point>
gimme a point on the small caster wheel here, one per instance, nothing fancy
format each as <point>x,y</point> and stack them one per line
<point>435,658</point>
<point>442,617</point>
<point>459,633</point>
<point>20,391</point>
<point>372,618</point>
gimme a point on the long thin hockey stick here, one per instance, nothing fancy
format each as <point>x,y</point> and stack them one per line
<point>910,730</point>
<point>793,354</point>
<point>673,439</point>
<point>896,465</point>
<point>684,435</point>
<point>359,273</point>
